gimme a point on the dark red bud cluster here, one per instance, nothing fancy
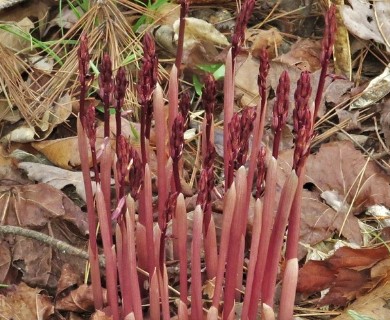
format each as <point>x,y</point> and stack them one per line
<point>208,95</point>
<point>177,137</point>
<point>147,78</point>
<point>302,121</point>
<point>261,170</point>
<point>263,70</point>
<point>121,84</point>
<point>329,35</point>
<point>136,173</point>
<point>302,94</point>
<point>106,84</point>
<point>240,129</point>
<point>239,30</point>
<point>247,120</point>
<point>83,56</point>
<point>184,107</point>
<point>280,111</point>
<point>122,164</point>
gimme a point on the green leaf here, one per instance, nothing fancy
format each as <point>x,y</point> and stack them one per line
<point>198,86</point>
<point>356,316</point>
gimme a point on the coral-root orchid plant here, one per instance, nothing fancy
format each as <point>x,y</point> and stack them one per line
<point>135,239</point>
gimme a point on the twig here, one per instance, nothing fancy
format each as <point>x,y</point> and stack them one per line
<point>52,242</point>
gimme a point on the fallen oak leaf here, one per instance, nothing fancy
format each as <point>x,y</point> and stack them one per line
<point>56,177</point>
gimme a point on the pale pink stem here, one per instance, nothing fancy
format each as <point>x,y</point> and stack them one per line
<point>268,313</point>
<point>228,211</point>
<point>161,138</point>
<point>181,219</point>
<point>228,102</point>
<point>164,293</point>
<point>121,261</point>
<point>111,267</point>
<point>173,98</point>
<point>149,219</point>
<point>290,280</point>
<point>295,219</point>
<point>235,242</point>
<point>183,311</point>
<point>105,180</point>
<point>249,310</point>
<point>92,225</point>
<point>196,276</point>
<point>132,263</point>
<point>154,295</point>
<point>210,248</point>
<point>256,231</point>
<point>276,243</point>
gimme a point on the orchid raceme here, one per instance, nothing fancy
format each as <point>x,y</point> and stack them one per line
<point>161,256</point>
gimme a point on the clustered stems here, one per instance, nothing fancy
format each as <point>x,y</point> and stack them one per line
<point>140,244</point>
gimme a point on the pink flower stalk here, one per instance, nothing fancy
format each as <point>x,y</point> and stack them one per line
<point>132,259</point>
<point>196,277</point>
<point>250,305</point>
<point>276,242</point>
<point>181,220</point>
<point>147,80</point>
<point>173,97</point>
<point>236,237</point>
<point>280,111</point>
<point>106,86</point>
<point>327,50</point>
<point>184,6</point>
<point>239,29</point>
<point>161,137</point>
<point>289,287</point>
<point>111,266</point>
<point>92,221</point>
<point>229,202</point>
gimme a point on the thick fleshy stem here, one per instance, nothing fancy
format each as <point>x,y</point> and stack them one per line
<point>147,80</point>
<point>280,111</point>
<point>327,49</point>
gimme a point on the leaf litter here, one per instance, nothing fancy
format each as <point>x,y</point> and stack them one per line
<point>340,183</point>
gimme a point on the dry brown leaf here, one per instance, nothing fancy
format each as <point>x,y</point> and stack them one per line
<point>269,39</point>
<point>70,277</point>
<point>23,302</point>
<point>12,40</point>
<point>56,177</point>
<point>79,300</point>
<point>336,167</point>
<point>44,208</point>
<point>372,304</point>
<point>346,273</point>
<point>369,20</point>
<point>304,54</point>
